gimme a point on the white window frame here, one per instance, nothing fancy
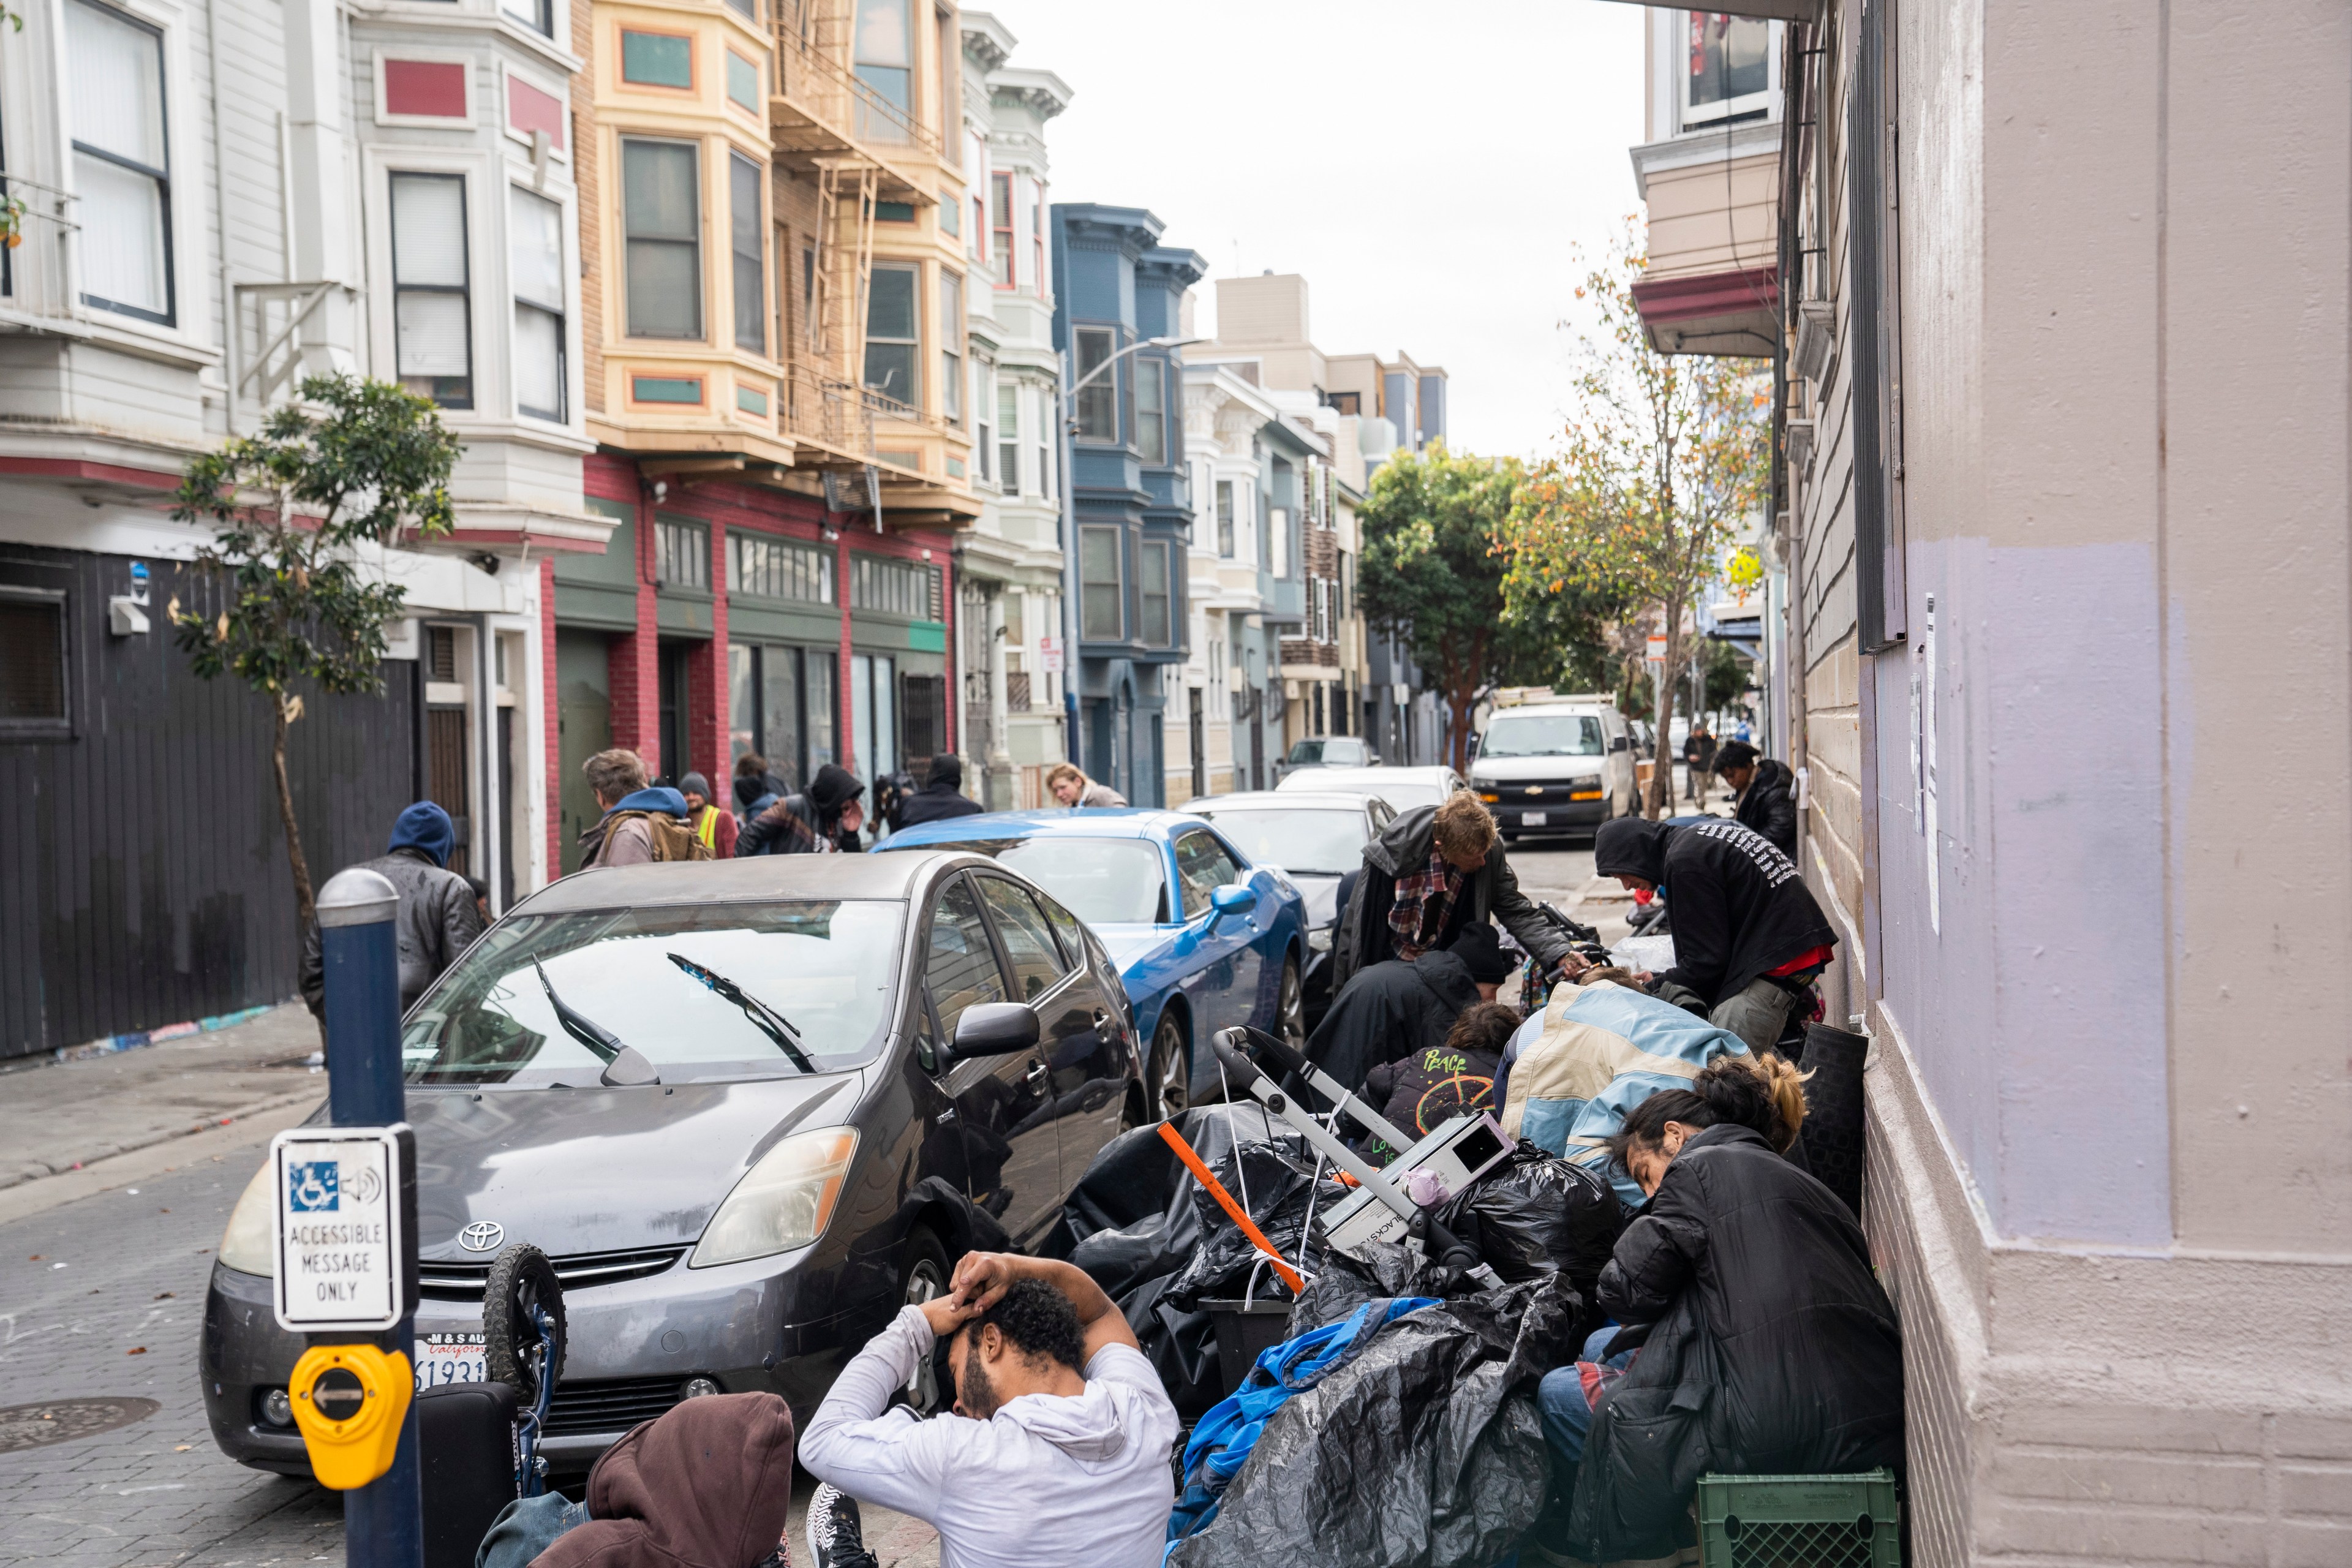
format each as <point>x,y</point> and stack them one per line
<point>1689,119</point>
<point>166,113</point>
<point>467,290</point>
<point>568,271</point>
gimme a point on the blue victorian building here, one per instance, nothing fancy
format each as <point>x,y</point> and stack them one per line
<point>1116,287</point>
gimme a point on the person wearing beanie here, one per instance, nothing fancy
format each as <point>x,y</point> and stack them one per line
<point>1748,938</point>
<point>822,819</point>
<point>1481,951</point>
<point>943,797</point>
<point>715,828</point>
<point>438,917</point>
<point>1763,794</point>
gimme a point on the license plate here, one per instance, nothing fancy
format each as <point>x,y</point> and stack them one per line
<point>1532,819</point>
<point>451,1358</point>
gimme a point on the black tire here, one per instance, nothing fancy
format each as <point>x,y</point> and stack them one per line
<point>1170,1073</point>
<point>520,1279</point>
<point>923,1275</point>
<point>1290,1007</point>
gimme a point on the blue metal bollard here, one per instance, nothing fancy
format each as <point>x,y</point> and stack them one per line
<point>384,1520</point>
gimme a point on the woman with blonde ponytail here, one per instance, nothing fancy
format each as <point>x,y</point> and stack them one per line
<point>1765,1344</point>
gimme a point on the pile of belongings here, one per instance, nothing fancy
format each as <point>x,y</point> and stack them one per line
<point>1397,1428</point>
<point>1159,1245</point>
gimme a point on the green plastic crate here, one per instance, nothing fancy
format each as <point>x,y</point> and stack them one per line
<point>1800,1521</point>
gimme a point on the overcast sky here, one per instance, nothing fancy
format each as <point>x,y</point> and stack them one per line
<point>1427,167</point>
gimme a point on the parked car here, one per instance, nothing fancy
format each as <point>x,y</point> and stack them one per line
<point>1328,751</point>
<point>1403,788</point>
<point>1317,837</point>
<point>841,1072</point>
<point>1551,767</point>
<point>1202,937</point>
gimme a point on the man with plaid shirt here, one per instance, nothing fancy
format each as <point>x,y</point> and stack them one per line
<point>1436,871</point>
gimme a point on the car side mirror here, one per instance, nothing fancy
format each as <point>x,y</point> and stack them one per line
<point>1617,744</point>
<point>1233,898</point>
<point>992,1030</point>
<point>1474,744</point>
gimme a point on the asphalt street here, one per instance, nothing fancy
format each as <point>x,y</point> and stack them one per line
<point>102,1277</point>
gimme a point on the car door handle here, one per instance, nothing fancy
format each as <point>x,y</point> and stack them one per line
<point>1037,1073</point>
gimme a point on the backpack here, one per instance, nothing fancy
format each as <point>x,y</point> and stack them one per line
<point>669,837</point>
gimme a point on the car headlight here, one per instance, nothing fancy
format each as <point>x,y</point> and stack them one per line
<point>249,1244</point>
<point>783,1201</point>
<point>1320,941</point>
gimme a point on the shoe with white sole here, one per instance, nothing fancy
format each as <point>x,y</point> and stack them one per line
<point>834,1540</point>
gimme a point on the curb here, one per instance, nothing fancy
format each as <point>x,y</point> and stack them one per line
<point>35,1170</point>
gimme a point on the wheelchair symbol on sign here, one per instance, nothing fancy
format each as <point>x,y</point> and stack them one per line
<point>314,1186</point>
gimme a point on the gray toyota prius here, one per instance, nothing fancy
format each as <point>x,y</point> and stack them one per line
<point>748,1109</point>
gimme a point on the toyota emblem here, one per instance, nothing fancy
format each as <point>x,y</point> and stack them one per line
<point>482,1236</point>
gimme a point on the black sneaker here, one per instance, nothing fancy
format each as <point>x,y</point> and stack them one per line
<point>833,1539</point>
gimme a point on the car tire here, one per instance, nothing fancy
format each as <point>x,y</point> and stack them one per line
<point>923,1275</point>
<point>1170,1073</point>
<point>522,1279</point>
<point>1290,1007</point>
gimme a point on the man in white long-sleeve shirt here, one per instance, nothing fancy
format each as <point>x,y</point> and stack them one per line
<point>1058,1450</point>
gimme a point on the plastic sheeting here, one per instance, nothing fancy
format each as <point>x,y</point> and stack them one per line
<point>1425,1451</point>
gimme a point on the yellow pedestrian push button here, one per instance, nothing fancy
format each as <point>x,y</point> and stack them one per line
<point>350,1401</point>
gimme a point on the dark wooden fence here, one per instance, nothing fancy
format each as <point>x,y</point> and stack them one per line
<point>142,867</point>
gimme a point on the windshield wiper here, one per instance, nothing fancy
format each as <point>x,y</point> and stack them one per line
<point>776,1026</point>
<point>623,1063</point>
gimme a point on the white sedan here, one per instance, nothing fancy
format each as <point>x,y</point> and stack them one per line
<point>1403,788</point>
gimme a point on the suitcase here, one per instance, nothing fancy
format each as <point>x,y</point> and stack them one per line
<point>466,1451</point>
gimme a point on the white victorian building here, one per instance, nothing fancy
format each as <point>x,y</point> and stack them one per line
<point>1010,565</point>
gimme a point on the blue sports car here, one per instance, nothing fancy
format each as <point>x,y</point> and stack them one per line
<point>1203,938</point>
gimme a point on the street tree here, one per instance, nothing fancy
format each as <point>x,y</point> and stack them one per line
<point>1433,568</point>
<point>1664,458</point>
<point>351,464</point>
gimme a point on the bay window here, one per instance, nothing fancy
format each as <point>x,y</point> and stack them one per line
<point>1097,399</point>
<point>535,244</point>
<point>891,337</point>
<point>1154,593</point>
<point>1151,409</point>
<point>432,304</point>
<point>661,223</point>
<point>1225,518</point>
<point>744,228</point>
<point>1000,228</point>
<point>885,64</point>
<point>952,346</point>
<point>121,162</point>
<point>1727,71</point>
<point>1101,611</point>
<point>1008,435</point>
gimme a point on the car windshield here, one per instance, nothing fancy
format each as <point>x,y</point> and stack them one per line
<point>1330,753</point>
<point>1103,881</point>
<point>1328,840</point>
<point>826,967</point>
<point>1544,735</point>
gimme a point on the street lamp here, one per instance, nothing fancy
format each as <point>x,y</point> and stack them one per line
<point>1069,429</point>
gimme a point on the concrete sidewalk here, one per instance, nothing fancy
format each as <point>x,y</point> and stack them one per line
<point>60,1116</point>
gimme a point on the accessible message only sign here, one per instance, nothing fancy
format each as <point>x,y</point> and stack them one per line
<point>346,1227</point>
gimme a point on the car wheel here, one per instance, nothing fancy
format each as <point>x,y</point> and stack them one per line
<point>923,1268</point>
<point>520,1288</point>
<point>1172,1069</point>
<point>1290,1008</point>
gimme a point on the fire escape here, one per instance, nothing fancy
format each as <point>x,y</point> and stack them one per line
<point>861,150</point>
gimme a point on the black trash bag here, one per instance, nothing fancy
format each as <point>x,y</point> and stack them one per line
<point>1831,1140</point>
<point>1137,1215</point>
<point>1380,1271</point>
<point>1426,1451</point>
<point>1278,1177</point>
<point>1539,1215</point>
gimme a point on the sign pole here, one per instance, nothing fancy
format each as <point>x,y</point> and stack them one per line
<point>382,1521</point>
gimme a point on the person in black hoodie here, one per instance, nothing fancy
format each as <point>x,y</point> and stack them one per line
<point>940,798</point>
<point>1435,871</point>
<point>821,820</point>
<point>1760,1340</point>
<point>1748,938</point>
<point>1389,1011</point>
<point>1764,793</point>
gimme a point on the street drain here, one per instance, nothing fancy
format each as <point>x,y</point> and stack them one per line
<point>64,1420</point>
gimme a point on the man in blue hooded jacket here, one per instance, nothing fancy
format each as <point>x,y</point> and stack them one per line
<point>438,917</point>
